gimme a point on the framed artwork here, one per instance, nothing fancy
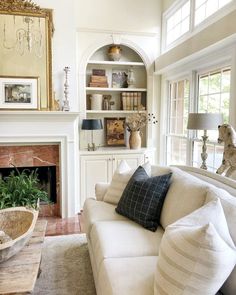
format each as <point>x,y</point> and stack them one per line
<point>19,93</point>
<point>119,79</point>
<point>115,131</point>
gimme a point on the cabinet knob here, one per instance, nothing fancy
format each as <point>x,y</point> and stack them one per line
<point>113,159</point>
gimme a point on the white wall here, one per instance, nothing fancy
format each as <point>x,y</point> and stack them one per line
<point>122,15</point>
<point>70,15</point>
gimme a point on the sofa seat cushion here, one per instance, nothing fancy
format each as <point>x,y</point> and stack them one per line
<point>186,194</point>
<point>132,276</point>
<point>98,211</point>
<point>114,239</point>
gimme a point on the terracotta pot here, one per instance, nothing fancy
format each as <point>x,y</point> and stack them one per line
<point>135,140</point>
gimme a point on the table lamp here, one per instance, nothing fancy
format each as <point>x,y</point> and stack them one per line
<point>204,121</point>
<point>92,124</point>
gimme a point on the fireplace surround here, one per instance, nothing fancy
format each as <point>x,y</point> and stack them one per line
<point>34,128</point>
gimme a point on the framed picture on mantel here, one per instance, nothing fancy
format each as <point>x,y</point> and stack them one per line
<point>19,93</point>
<point>115,131</point>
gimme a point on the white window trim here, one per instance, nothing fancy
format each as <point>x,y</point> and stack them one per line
<point>193,29</point>
<point>222,57</point>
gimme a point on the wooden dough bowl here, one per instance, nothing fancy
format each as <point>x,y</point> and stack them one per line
<point>18,223</point>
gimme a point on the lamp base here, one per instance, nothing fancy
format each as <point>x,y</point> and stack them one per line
<point>204,154</point>
<point>92,147</point>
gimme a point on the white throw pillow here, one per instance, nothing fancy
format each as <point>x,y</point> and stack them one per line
<point>186,194</point>
<point>228,203</point>
<point>119,181</point>
<point>196,254</point>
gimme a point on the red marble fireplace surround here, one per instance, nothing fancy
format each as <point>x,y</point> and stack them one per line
<point>31,156</point>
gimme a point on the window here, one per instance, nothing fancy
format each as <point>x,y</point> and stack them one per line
<point>213,97</point>
<point>214,94</point>
<point>178,23</point>
<point>205,8</point>
<point>185,147</point>
<point>185,15</point>
<point>177,131</point>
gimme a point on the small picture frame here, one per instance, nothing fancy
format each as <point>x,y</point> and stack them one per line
<point>115,131</point>
<point>119,78</point>
<point>19,93</point>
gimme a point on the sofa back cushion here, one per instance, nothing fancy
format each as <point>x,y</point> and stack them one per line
<point>186,194</point>
<point>119,181</point>
<point>196,254</point>
<point>229,206</point>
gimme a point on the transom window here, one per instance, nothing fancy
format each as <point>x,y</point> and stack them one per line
<point>185,15</point>
<point>178,23</point>
<point>205,8</point>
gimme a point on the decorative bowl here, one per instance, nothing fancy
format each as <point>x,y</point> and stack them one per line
<point>18,223</point>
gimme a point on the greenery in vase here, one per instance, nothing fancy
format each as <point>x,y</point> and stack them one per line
<point>21,189</point>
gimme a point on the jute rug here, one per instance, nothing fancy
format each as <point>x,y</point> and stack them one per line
<point>66,268</point>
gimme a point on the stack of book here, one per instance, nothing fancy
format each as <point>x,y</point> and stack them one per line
<point>131,101</point>
<point>98,78</point>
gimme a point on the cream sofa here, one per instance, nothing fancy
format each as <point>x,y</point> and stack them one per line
<point>124,255</point>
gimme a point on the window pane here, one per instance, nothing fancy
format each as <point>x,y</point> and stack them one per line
<point>218,156</point>
<point>223,2</point>
<point>200,14</point>
<point>186,10</point>
<point>225,106</point>
<point>214,103</point>
<point>215,83</point>
<point>225,81</point>
<point>211,7</point>
<point>199,3</point>
<point>206,8</point>
<point>176,153</point>
<point>185,26</point>
<point>178,23</point>
<point>202,104</point>
<point>203,85</point>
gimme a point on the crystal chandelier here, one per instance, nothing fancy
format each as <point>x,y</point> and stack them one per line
<point>28,38</point>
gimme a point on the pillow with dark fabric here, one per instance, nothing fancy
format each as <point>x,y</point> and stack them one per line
<point>143,198</point>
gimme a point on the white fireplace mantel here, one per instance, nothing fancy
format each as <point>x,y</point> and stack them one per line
<point>36,127</point>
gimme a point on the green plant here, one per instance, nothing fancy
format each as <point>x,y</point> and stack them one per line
<point>21,189</point>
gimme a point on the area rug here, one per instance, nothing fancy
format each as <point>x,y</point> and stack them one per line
<point>66,267</point>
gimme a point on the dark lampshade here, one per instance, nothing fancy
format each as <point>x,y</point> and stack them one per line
<point>91,124</point>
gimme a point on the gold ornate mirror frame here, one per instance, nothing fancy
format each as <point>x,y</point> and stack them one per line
<point>19,67</point>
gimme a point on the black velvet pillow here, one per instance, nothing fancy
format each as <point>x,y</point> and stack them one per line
<point>143,198</point>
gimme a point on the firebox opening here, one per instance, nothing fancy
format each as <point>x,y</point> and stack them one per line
<point>46,176</point>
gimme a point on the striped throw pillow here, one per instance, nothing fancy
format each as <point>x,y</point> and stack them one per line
<point>196,254</point>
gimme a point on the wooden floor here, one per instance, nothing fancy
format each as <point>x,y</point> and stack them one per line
<point>57,226</point>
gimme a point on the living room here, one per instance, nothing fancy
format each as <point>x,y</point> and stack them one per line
<point>112,66</point>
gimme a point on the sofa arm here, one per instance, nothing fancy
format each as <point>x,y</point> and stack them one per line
<point>101,189</point>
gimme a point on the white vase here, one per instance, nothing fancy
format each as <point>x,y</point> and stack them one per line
<point>96,101</point>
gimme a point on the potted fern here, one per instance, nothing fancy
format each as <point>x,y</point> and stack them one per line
<point>21,189</point>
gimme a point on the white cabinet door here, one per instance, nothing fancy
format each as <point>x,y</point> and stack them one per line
<point>94,169</point>
<point>133,160</point>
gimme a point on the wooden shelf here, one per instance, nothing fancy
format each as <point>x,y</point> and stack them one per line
<point>116,89</point>
<point>113,112</point>
<point>116,63</point>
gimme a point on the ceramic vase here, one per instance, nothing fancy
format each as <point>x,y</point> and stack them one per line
<point>135,140</point>
<point>114,53</point>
